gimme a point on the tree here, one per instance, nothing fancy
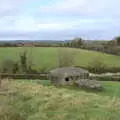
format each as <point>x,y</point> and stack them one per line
<point>23,61</point>
<point>65,58</point>
<point>15,67</point>
<point>77,42</point>
<point>117,39</point>
<point>26,62</point>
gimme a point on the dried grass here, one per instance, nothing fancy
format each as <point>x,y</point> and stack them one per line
<point>5,84</point>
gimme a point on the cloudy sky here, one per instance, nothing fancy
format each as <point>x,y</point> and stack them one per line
<point>59,19</point>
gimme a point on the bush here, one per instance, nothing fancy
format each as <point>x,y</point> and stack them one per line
<point>97,66</point>
<point>106,78</point>
<point>65,58</point>
<point>26,63</point>
<point>23,61</point>
<point>9,66</point>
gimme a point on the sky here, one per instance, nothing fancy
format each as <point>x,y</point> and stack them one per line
<point>59,19</point>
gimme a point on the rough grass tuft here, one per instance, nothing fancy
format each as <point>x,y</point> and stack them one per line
<point>37,101</point>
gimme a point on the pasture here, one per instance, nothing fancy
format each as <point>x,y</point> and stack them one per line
<point>47,58</point>
<point>39,100</point>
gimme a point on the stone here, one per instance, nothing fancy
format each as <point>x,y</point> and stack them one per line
<point>86,83</point>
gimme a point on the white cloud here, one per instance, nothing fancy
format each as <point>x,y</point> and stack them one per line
<point>84,7</point>
<point>10,7</point>
<point>30,24</point>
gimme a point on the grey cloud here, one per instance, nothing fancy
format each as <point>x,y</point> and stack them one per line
<point>60,35</point>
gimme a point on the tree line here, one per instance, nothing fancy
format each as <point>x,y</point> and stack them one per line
<point>107,46</point>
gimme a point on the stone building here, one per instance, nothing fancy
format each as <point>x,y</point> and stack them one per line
<point>72,75</point>
<point>67,75</point>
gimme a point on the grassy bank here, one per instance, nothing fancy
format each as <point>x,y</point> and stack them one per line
<point>39,100</point>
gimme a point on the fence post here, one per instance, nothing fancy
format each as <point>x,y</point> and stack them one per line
<point>0,82</point>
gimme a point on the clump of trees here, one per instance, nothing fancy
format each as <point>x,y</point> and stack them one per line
<point>23,65</point>
<point>75,43</point>
<point>113,46</point>
<point>116,41</point>
<point>108,46</point>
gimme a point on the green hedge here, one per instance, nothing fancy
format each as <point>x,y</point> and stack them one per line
<point>25,76</point>
<point>106,78</point>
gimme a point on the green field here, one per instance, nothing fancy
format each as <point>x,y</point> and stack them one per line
<point>48,57</point>
<point>39,100</point>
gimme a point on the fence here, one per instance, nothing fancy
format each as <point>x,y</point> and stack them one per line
<point>106,77</point>
<point>101,77</point>
<point>24,76</point>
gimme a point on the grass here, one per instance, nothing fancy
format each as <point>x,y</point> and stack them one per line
<point>39,100</point>
<point>46,58</point>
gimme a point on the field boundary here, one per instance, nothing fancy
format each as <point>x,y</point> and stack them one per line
<point>106,76</point>
<point>44,76</point>
<point>24,76</point>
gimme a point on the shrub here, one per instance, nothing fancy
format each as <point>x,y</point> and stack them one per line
<point>65,58</point>
<point>23,61</point>
<point>97,66</point>
<point>26,62</point>
<point>9,66</point>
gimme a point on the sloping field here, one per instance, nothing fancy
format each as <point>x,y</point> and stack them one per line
<point>35,101</point>
<point>48,57</point>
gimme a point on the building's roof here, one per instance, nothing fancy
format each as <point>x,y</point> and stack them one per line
<point>67,71</point>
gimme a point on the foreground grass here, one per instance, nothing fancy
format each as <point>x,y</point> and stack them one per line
<point>36,100</point>
<point>46,58</point>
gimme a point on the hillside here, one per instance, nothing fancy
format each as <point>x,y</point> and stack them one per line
<point>47,58</point>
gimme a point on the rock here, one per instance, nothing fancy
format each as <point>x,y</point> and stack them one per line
<point>86,83</point>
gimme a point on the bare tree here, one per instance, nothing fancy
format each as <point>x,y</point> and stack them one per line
<point>65,57</point>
